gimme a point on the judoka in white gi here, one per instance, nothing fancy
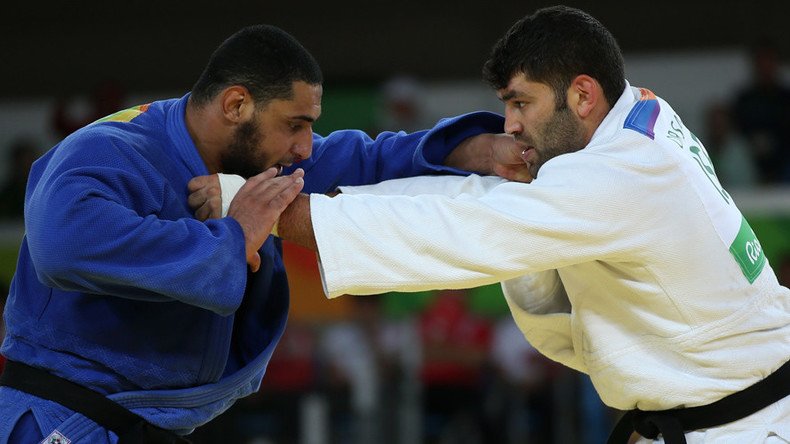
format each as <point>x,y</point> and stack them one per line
<point>624,258</point>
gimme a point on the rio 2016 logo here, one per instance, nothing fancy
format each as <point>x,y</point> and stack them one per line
<point>753,250</point>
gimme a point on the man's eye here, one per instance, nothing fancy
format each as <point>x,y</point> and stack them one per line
<point>519,105</point>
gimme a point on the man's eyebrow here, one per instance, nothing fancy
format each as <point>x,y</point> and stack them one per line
<point>509,95</point>
<point>306,118</point>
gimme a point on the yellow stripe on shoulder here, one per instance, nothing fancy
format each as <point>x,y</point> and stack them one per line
<point>125,115</point>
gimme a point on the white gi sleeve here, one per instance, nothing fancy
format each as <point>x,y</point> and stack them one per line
<point>372,244</point>
<point>229,185</point>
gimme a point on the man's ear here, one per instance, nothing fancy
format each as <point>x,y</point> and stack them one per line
<point>237,104</point>
<point>584,95</point>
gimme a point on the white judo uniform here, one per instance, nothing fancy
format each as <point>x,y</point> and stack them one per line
<point>626,260</point>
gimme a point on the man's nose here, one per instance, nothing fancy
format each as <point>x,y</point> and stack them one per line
<point>512,125</point>
<point>303,148</point>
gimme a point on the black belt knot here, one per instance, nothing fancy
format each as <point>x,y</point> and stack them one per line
<point>674,423</point>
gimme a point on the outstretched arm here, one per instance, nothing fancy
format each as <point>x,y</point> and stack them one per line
<point>296,224</point>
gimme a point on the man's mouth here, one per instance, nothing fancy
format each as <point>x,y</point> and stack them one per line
<point>283,165</point>
<point>527,154</point>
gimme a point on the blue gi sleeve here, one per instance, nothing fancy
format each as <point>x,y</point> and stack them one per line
<point>101,219</point>
<point>351,157</point>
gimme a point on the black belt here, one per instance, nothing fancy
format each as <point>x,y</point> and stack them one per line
<point>672,424</point>
<point>130,428</point>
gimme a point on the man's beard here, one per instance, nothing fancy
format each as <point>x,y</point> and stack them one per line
<point>561,134</point>
<point>241,156</point>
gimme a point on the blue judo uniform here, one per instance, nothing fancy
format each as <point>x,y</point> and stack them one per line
<point>119,289</point>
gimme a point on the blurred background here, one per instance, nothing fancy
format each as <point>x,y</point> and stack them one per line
<point>437,367</point>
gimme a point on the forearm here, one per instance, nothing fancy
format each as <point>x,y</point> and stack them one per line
<point>296,225</point>
<point>473,154</point>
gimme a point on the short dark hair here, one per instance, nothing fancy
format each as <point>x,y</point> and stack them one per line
<point>264,59</point>
<point>553,46</point>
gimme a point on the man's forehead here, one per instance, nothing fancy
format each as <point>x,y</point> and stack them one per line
<point>304,103</point>
<point>519,86</point>
<point>306,93</point>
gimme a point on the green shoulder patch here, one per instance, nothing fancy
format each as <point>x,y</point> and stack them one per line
<point>748,252</point>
